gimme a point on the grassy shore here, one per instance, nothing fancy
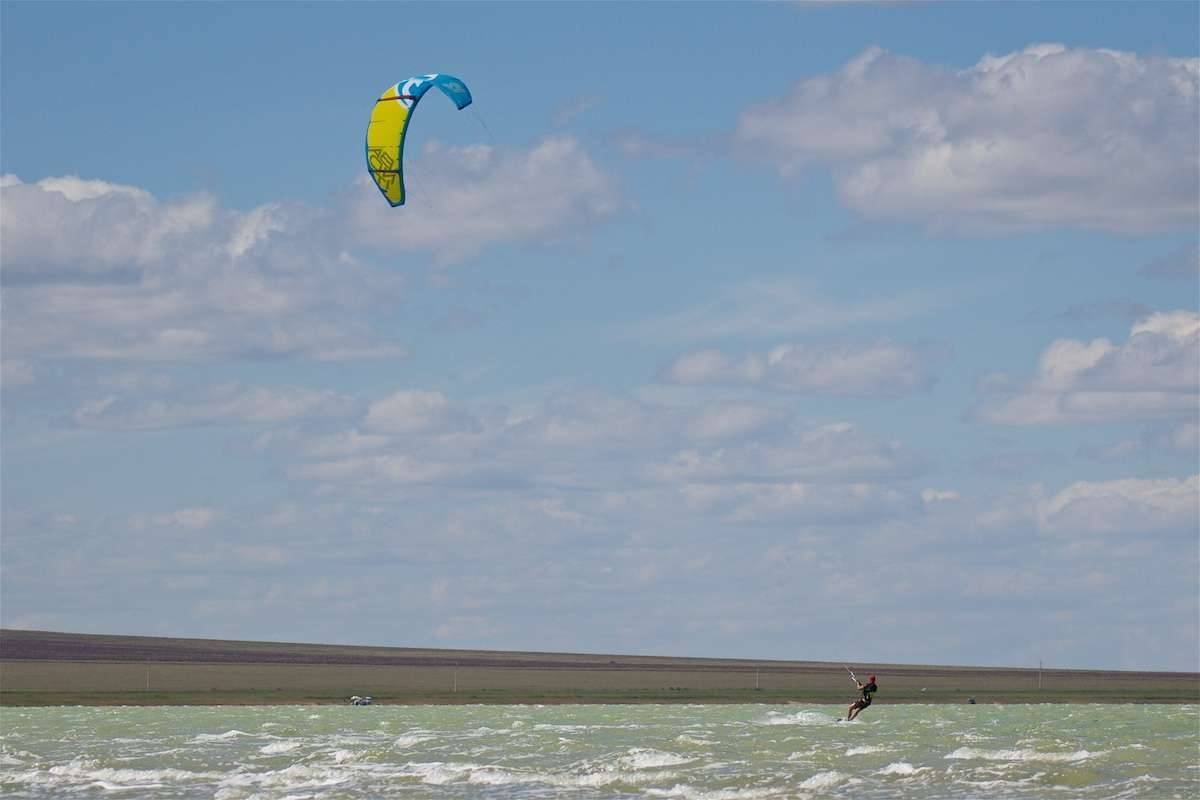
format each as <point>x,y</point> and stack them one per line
<point>45,668</point>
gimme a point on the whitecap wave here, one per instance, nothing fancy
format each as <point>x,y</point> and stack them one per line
<point>296,777</point>
<point>685,738</point>
<point>798,718</point>
<point>85,772</point>
<point>648,758</point>
<point>688,792</point>
<point>219,737</point>
<point>902,769</point>
<point>825,780</point>
<point>411,739</point>
<point>1023,754</point>
<point>274,748</point>
<point>16,758</point>
<point>629,769</point>
<point>865,749</point>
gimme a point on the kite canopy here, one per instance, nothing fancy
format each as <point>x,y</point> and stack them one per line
<point>389,124</point>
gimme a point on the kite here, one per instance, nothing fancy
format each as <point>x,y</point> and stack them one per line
<point>389,123</point>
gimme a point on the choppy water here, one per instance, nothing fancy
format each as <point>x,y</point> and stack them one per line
<point>712,752</point>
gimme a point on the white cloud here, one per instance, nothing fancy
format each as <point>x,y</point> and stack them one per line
<point>805,503</point>
<point>878,369</point>
<point>714,367</point>
<point>225,405</point>
<point>64,226</point>
<point>1046,136</point>
<point>409,411</point>
<point>1155,373</point>
<point>347,443</point>
<point>1123,507</point>
<point>1180,439</point>
<point>191,519</point>
<point>476,196</point>
<point>590,440</point>
<point>838,452</point>
<point>730,421</point>
<point>94,270</point>
<point>933,496</point>
<point>390,469</point>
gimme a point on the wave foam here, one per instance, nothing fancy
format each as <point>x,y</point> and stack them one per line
<point>825,780</point>
<point>411,739</point>
<point>294,777</point>
<point>799,718</point>
<point>648,758</point>
<point>687,792</point>
<point>975,754</point>
<point>902,768</point>
<point>865,749</point>
<point>219,737</point>
<point>85,772</point>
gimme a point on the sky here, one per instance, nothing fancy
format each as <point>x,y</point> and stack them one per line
<point>864,332</point>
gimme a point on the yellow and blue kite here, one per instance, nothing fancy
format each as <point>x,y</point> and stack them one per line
<point>389,123</point>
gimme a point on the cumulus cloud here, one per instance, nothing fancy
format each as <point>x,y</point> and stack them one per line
<point>480,195</point>
<point>225,405</point>
<point>1154,373</point>
<point>593,441</point>
<point>877,369</point>
<point>99,270</point>
<point>416,412</point>
<point>95,270</point>
<point>933,496</point>
<point>723,421</point>
<point>65,227</point>
<point>806,503</point>
<point>191,519</point>
<point>837,452</point>
<point>1046,136</point>
<point>1124,507</point>
<point>1179,439</point>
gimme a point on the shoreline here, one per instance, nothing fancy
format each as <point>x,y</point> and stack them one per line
<point>9,700</point>
<point>43,668</point>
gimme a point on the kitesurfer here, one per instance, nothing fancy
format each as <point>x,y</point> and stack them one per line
<point>868,688</point>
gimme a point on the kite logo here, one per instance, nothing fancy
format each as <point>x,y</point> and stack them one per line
<point>380,159</point>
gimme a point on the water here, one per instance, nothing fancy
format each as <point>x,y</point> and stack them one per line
<point>697,752</point>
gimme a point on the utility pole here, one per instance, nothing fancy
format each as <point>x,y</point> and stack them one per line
<point>455,677</point>
<point>147,677</point>
<point>1039,674</point>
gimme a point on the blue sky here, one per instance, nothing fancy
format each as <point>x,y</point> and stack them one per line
<point>820,331</point>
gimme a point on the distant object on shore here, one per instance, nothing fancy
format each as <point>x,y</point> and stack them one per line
<point>355,700</point>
